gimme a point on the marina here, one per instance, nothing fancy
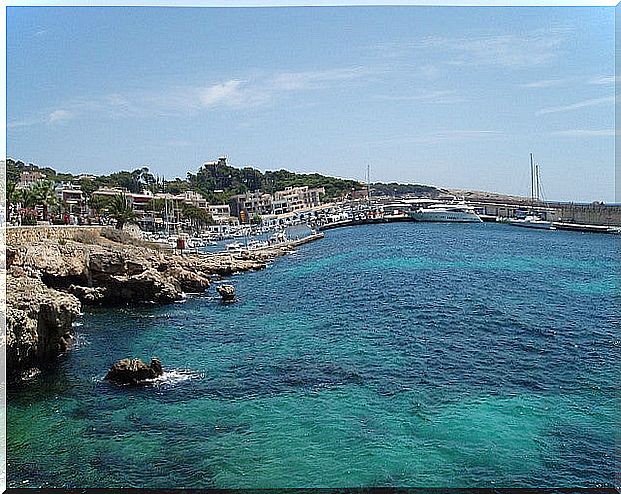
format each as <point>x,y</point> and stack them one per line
<point>295,248</point>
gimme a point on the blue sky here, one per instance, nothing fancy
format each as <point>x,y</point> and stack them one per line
<point>450,96</point>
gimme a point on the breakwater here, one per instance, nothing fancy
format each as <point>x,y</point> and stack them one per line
<point>588,228</point>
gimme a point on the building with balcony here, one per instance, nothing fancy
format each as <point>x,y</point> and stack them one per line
<point>250,203</point>
<point>71,196</point>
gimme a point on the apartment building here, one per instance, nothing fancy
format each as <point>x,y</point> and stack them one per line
<point>251,203</point>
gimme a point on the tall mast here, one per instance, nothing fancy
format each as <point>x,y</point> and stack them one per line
<point>532,180</point>
<point>166,222</point>
<point>369,184</point>
<point>537,195</point>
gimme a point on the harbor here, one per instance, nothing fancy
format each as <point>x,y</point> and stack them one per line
<point>284,247</point>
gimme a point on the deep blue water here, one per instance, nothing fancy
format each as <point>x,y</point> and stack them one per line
<point>403,354</point>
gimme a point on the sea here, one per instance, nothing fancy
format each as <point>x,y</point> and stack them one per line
<point>405,354</point>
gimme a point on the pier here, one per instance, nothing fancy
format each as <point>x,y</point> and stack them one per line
<point>366,221</point>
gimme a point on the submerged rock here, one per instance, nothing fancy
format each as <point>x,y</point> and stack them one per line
<point>227,292</point>
<point>134,371</point>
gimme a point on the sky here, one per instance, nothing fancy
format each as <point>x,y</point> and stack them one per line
<point>455,97</point>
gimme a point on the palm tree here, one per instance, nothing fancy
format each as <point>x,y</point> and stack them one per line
<point>11,193</point>
<point>121,210</point>
<point>27,197</point>
<point>13,196</point>
<point>45,195</point>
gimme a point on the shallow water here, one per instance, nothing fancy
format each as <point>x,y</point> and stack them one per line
<point>402,354</point>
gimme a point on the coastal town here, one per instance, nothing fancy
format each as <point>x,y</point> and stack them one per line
<point>163,212</point>
<point>131,237</point>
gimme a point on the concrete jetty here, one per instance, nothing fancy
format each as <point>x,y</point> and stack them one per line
<point>366,221</point>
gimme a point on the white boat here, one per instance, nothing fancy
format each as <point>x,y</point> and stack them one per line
<point>532,220</point>
<point>234,247</point>
<point>449,213</point>
<point>256,244</point>
<point>278,237</point>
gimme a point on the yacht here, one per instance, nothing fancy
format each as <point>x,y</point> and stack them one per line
<point>458,213</point>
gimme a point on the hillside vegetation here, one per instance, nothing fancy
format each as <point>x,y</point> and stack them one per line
<point>217,183</point>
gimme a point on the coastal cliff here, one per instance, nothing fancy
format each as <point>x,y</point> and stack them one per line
<point>38,323</point>
<point>48,280</point>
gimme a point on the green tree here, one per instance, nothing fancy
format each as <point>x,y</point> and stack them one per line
<point>11,193</point>
<point>27,198</point>
<point>121,210</point>
<point>198,217</point>
<point>256,219</point>
<point>45,195</point>
<point>100,203</point>
<point>158,205</point>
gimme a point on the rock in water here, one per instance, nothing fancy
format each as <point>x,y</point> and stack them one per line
<point>227,292</point>
<point>38,323</point>
<point>134,371</point>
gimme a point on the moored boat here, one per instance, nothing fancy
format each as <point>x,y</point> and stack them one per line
<point>532,220</point>
<point>453,213</point>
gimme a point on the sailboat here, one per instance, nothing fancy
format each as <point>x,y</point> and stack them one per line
<point>532,220</point>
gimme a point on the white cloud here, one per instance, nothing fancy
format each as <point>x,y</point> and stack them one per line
<point>58,116</point>
<point>439,96</point>
<point>297,81</point>
<point>545,83</point>
<point>604,80</point>
<point>586,133</point>
<point>230,93</point>
<point>576,106</point>
<point>507,50</point>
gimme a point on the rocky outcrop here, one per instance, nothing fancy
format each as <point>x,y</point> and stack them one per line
<point>111,273</point>
<point>88,294</point>
<point>134,371</point>
<point>38,323</point>
<point>49,275</point>
<point>227,292</point>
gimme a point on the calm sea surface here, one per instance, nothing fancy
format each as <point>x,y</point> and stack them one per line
<point>402,355</point>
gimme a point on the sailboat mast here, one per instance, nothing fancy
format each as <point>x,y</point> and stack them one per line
<point>369,184</point>
<point>166,222</point>
<point>532,180</point>
<point>537,195</point>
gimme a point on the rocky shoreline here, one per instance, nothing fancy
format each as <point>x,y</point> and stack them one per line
<point>48,281</point>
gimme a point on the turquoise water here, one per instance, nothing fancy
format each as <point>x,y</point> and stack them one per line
<point>383,355</point>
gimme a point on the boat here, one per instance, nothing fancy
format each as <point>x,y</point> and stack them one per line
<point>256,244</point>
<point>532,219</point>
<point>278,238</point>
<point>448,213</point>
<point>234,247</point>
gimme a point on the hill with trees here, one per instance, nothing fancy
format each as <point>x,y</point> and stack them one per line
<point>217,182</point>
